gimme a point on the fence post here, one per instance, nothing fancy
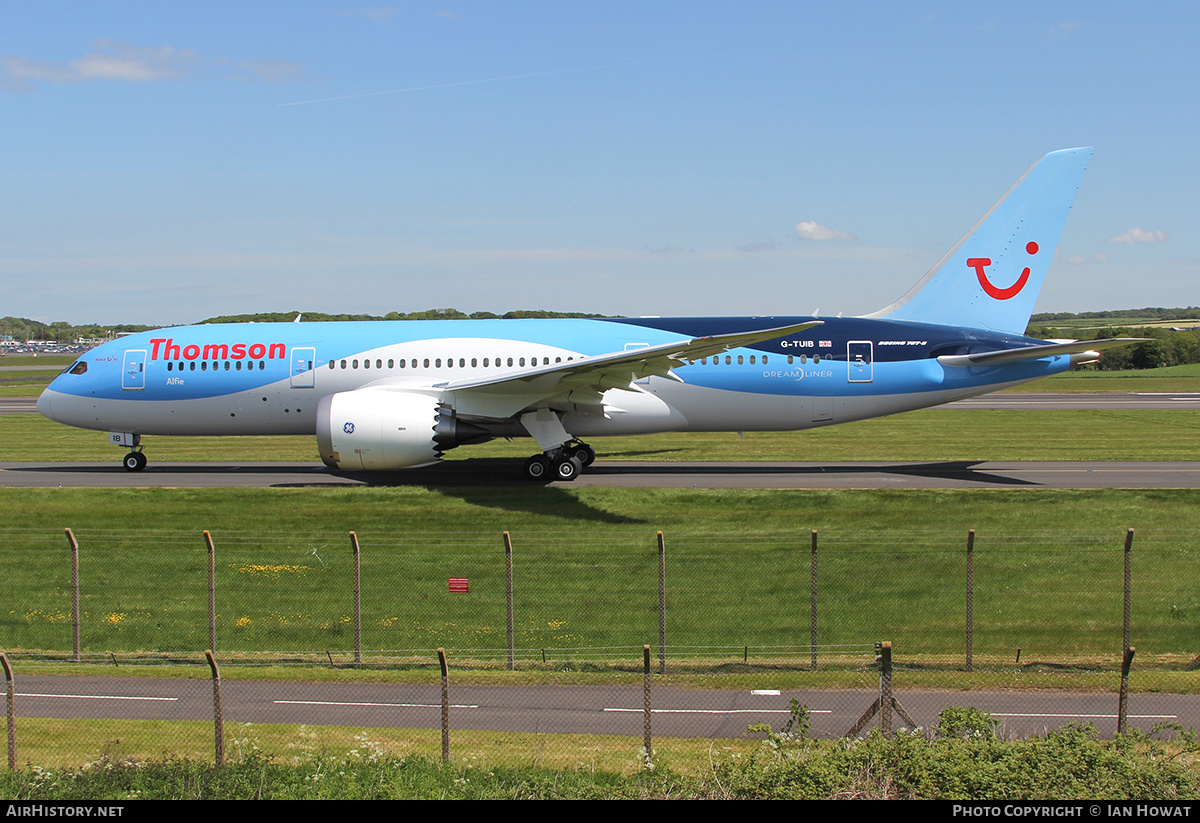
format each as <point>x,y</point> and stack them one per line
<point>813,606</point>
<point>662,604</point>
<point>11,714</point>
<point>74,592</point>
<point>1123,702</point>
<point>357,601</point>
<point>647,739</point>
<point>885,688</point>
<point>1128,586</point>
<point>508,590</point>
<point>212,592</point>
<point>970,599</point>
<point>445,706</point>
<point>218,713</point>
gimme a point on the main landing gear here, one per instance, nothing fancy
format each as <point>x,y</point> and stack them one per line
<point>563,463</point>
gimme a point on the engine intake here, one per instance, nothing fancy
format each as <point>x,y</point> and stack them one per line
<point>379,430</point>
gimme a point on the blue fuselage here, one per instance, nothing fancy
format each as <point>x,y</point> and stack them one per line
<point>268,378</point>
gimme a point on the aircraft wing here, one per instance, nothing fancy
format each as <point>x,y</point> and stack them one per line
<point>585,379</point>
<point>995,358</point>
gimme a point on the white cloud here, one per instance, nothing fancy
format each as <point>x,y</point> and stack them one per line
<point>809,230</point>
<point>1137,235</point>
<point>112,60</point>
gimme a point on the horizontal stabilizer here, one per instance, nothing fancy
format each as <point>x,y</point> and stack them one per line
<point>996,358</point>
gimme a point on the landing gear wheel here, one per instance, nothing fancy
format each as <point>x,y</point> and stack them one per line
<point>567,469</point>
<point>537,468</point>
<point>584,453</point>
<point>135,462</point>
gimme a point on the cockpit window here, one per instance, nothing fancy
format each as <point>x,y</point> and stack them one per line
<point>79,368</point>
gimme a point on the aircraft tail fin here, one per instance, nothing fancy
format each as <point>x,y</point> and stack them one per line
<point>991,277</point>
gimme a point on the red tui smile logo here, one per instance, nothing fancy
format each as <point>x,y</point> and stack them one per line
<point>979,263</point>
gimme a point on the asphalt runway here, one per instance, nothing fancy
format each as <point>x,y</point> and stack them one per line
<point>617,474</point>
<point>613,709</point>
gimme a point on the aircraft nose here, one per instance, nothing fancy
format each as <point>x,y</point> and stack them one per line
<point>43,404</point>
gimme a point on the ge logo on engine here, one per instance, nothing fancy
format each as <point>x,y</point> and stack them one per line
<point>348,428</point>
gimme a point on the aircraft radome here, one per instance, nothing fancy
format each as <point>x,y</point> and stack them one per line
<point>396,395</point>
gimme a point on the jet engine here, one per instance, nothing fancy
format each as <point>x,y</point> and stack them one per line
<point>374,430</point>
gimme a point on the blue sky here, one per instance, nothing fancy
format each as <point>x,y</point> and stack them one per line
<point>167,162</point>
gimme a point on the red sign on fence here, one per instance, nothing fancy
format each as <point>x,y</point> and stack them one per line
<point>458,585</point>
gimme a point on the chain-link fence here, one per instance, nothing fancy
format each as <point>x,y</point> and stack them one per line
<point>566,616</point>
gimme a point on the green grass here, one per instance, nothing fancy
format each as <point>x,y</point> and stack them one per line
<point>1170,379</point>
<point>30,383</point>
<point>1048,568</point>
<point>1069,764</point>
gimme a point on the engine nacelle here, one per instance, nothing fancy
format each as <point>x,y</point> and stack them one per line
<point>372,429</point>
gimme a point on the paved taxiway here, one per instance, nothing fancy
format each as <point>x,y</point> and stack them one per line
<point>665,475</point>
<point>602,709</point>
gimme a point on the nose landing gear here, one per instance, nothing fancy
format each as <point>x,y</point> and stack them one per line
<point>135,461</point>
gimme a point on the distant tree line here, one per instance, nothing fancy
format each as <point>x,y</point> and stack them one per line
<point>1166,347</point>
<point>21,328</point>
<point>427,314</point>
<point>1147,314</point>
